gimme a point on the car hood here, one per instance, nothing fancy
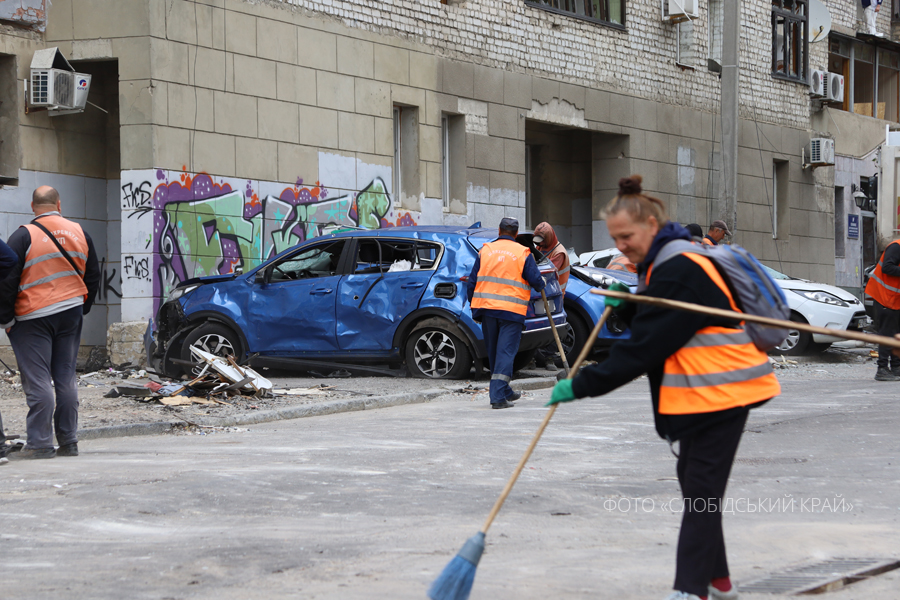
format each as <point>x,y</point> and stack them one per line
<point>626,277</point>
<point>802,285</point>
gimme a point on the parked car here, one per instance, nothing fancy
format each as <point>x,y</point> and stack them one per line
<point>583,309</point>
<point>814,303</point>
<point>818,304</point>
<point>384,296</point>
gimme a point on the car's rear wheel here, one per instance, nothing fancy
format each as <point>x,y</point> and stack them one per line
<point>436,353</point>
<point>576,336</point>
<point>523,359</point>
<point>214,338</point>
<point>797,342</point>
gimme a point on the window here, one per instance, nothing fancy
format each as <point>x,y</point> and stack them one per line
<point>445,161</point>
<point>888,85</point>
<point>781,204</point>
<point>863,79</point>
<point>839,218</point>
<point>319,261</point>
<point>406,157</point>
<point>609,11</point>
<point>392,256</point>
<point>839,63</point>
<point>9,122</point>
<point>790,35</point>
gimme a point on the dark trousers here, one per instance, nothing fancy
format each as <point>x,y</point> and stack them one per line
<point>46,349</point>
<point>502,339</point>
<point>887,322</point>
<point>704,464</point>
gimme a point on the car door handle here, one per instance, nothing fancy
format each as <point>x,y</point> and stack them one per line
<point>407,286</point>
<point>321,291</point>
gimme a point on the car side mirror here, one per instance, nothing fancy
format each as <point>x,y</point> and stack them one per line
<point>260,276</point>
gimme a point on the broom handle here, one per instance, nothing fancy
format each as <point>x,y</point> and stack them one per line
<point>512,480</point>
<point>767,321</point>
<point>559,345</point>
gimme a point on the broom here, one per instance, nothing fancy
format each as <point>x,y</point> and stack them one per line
<point>455,581</point>
<point>765,321</point>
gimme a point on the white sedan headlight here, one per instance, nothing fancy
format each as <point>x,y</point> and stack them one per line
<point>820,296</point>
<point>181,291</point>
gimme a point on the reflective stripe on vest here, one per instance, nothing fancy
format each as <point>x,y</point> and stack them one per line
<point>47,277</point>
<point>884,288</point>
<point>718,368</point>
<point>499,284</point>
<point>562,274</point>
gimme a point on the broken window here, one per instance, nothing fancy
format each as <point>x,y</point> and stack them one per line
<point>790,39</point>
<point>839,64</point>
<point>406,157</point>
<point>863,79</point>
<point>321,260</point>
<point>871,78</point>
<point>888,85</point>
<point>389,256</point>
<point>610,11</point>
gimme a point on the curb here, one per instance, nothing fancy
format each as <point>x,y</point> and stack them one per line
<point>294,412</point>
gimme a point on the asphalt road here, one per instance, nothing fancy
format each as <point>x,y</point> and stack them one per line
<point>373,504</point>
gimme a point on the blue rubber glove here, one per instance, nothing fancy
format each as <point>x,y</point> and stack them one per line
<point>562,393</point>
<point>616,303</point>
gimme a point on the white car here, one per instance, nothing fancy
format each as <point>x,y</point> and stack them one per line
<point>818,304</point>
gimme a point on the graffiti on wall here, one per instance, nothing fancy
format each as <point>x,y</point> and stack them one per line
<point>201,225</point>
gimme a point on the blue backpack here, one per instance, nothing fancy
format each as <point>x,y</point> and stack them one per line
<point>754,291</point>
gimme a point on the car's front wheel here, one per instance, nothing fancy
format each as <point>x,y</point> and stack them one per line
<point>436,353</point>
<point>796,342</point>
<point>214,338</point>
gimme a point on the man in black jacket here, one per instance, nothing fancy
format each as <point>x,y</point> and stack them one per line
<point>42,303</point>
<point>8,261</point>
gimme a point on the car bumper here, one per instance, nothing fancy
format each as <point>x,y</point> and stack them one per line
<point>833,317</point>
<point>538,338</point>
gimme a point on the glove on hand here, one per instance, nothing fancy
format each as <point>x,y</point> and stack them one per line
<point>616,303</point>
<point>562,392</point>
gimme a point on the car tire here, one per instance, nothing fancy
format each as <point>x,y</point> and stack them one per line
<point>797,343</point>
<point>214,338</point>
<point>523,359</point>
<point>435,352</point>
<point>577,333</point>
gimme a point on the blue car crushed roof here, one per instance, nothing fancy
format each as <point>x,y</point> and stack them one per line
<point>360,297</point>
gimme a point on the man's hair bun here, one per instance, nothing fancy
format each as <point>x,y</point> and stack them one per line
<point>630,186</point>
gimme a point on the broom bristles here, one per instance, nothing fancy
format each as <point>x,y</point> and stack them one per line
<point>455,581</point>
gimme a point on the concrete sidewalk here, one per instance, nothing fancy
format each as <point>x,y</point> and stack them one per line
<point>373,504</point>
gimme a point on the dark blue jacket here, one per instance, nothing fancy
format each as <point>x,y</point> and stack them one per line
<point>530,273</point>
<point>8,260</point>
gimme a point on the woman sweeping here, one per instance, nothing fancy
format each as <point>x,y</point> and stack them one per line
<point>705,375</point>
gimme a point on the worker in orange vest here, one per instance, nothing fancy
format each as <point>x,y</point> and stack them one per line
<point>884,288</point>
<point>717,232</point>
<point>705,375</point>
<point>42,303</point>
<point>499,291</point>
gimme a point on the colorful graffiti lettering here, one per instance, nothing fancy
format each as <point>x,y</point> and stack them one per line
<point>202,227</point>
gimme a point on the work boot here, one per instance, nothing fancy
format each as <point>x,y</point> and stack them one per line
<point>514,396</point>
<point>503,404</point>
<point>29,453</point>
<point>896,371</point>
<point>884,374</point>
<point>68,449</point>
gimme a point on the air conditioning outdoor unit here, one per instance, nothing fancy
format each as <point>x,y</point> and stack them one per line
<point>834,87</point>
<point>55,85</point>
<point>820,152</point>
<point>676,11</point>
<point>817,83</point>
<point>52,88</point>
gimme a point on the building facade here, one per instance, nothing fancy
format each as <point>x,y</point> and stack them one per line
<point>223,131</point>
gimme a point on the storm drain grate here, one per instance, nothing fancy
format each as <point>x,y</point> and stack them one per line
<point>824,576</point>
<point>770,461</point>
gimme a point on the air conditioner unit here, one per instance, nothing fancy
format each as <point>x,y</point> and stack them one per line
<point>676,11</point>
<point>817,83</point>
<point>834,88</point>
<point>82,89</point>
<point>820,152</point>
<point>52,88</point>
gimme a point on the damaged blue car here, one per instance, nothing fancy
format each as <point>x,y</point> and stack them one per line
<point>367,297</point>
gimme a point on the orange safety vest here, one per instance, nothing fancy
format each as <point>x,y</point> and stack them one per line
<point>563,272</point>
<point>884,288</point>
<point>500,285</point>
<point>717,369</point>
<point>706,242</point>
<point>47,277</point>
